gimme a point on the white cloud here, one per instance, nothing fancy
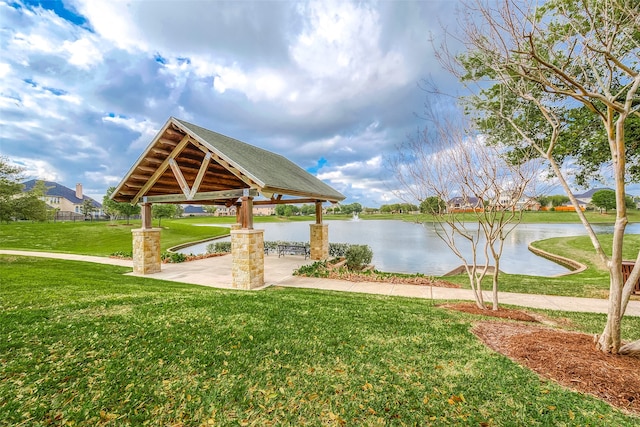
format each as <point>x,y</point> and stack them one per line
<point>5,69</point>
<point>37,169</point>
<point>147,129</point>
<point>82,53</point>
<point>113,21</point>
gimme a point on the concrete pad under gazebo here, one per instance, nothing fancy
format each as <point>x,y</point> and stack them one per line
<point>186,163</point>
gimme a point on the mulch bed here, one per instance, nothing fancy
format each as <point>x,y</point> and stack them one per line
<point>503,313</point>
<point>373,277</point>
<point>569,358</point>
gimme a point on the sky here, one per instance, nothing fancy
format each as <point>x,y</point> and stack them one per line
<point>334,86</point>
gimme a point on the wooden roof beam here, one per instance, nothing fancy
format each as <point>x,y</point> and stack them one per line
<point>208,196</point>
<point>163,166</point>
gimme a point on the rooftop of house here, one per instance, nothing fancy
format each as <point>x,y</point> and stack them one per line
<point>58,190</point>
<point>590,193</point>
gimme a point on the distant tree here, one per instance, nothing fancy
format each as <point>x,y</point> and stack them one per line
<point>291,210</point>
<point>308,209</point>
<point>10,187</point>
<point>162,210</point>
<point>114,209</point>
<point>87,208</point>
<point>128,210</point>
<point>210,209</point>
<point>433,205</point>
<point>629,202</point>
<point>31,205</point>
<point>543,200</point>
<point>604,199</point>
<point>110,207</point>
<point>558,200</point>
<point>346,209</point>
<point>408,207</point>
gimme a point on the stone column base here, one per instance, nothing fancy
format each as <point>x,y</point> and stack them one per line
<point>319,241</point>
<point>146,250</point>
<point>247,253</point>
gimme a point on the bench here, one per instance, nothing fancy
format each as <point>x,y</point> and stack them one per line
<point>294,250</point>
<point>627,266</point>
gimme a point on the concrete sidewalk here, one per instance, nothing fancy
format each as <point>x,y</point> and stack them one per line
<point>216,272</point>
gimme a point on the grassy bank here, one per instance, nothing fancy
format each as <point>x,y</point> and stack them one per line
<point>95,238</point>
<point>592,283</point>
<point>81,344</point>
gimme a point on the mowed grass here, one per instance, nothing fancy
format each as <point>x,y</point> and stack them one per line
<point>592,283</point>
<point>81,344</point>
<point>96,238</point>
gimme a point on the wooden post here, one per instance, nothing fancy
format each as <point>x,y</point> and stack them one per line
<point>145,214</point>
<point>246,217</point>
<point>238,213</point>
<point>318,212</point>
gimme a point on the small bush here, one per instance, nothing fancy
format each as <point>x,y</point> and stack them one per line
<point>219,248</point>
<point>338,250</point>
<point>122,254</point>
<point>317,269</point>
<point>358,256</point>
<point>174,257</point>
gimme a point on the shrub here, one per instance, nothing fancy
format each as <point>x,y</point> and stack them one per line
<point>317,269</point>
<point>338,250</point>
<point>219,248</point>
<point>174,257</point>
<point>358,256</point>
<point>122,254</point>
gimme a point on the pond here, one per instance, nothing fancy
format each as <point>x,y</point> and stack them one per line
<point>407,247</point>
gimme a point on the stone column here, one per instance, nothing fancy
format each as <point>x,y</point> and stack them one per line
<point>247,252</point>
<point>319,241</point>
<point>146,250</point>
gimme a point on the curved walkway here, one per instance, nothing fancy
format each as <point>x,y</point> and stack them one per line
<point>216,272</point>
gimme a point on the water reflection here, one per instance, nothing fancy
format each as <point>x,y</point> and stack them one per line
<point>415,248</point>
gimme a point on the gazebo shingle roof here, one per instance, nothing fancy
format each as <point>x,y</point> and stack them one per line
<point>186,163</point>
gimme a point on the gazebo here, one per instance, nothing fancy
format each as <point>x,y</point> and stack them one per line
<point>186,163</point>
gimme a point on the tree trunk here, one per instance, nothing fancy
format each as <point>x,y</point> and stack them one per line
<point>609,341</point>
<point>494,277</point>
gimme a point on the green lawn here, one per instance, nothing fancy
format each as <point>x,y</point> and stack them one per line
<point>592,283</point>
<point>81,344</point>
<point>95,238</point>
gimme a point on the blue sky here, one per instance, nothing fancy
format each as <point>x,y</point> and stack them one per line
<point>332,85</point>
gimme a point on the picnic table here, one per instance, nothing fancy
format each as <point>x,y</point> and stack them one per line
<point>294,250</point>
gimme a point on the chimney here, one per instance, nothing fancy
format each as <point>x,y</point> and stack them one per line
<point>79,191</point>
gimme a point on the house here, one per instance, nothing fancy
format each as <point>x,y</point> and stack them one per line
<point>192,210</point>
<point>463,204</point>
<point>264,210</point>
<point>527,204</point>
<point>66,202</point>
<point>225,211</point>
<point>586,197</point>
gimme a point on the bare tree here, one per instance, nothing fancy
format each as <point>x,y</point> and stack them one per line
<point>483,193</point>
<point>537,64</point>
